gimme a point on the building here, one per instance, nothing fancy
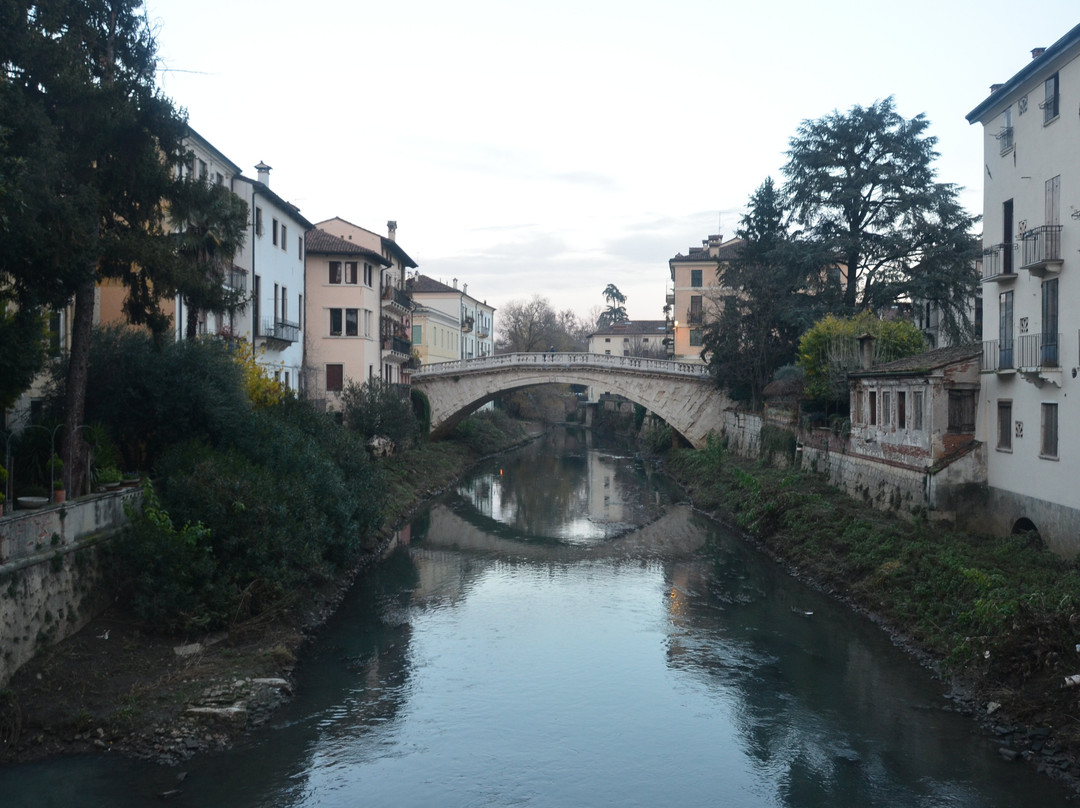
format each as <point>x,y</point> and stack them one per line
<point>1030,281</point>
<point>630,338</point>
<point>696,294</point>
<point>273,256</point>
<point>342,306</point>
<point>448,324</point>
<point>395,319</point>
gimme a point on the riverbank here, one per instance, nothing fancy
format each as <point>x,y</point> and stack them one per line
<point>998,620</point>
<point>115,688</point>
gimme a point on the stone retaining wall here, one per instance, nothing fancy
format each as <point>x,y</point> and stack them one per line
<point>49,572</point>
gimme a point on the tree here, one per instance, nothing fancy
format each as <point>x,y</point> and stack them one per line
<point>615,311</point>
<point>78,77</point>
<point>529,325</point>
<point>863,184</point>
<point>779,287</point>
<point>211,224</point>
<point>830,348</point>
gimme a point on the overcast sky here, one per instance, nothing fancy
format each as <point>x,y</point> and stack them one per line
<point>555,147</point>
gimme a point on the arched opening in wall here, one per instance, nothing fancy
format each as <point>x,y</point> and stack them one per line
<point>1025,527</point>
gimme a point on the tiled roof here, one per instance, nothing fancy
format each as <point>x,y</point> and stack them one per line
<point>726,252</point>
<point>323,243</point>
<point>921,363</point>
<point>632,328</point>
<point>422,283</point>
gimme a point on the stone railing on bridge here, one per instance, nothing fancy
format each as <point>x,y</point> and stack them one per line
<point>560,361</point>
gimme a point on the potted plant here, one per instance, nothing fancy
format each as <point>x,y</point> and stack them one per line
<point>131,479</point>
<point>109,477</point>
<point>56,473</point>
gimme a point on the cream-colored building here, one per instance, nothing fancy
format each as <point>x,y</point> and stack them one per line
<point>395,319</point>
<point>696,295</point>
<point>1030,282</point>
<point>342,305</point>
<point>448,324</point>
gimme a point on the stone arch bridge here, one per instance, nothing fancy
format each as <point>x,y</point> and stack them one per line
<point>682,393</point>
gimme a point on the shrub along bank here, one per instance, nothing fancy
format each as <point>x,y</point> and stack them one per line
<point>999,615</point>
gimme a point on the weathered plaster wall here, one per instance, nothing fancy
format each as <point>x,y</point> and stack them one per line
<point>49,572</point>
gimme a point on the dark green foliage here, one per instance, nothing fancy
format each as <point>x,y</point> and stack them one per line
<point>777,442</point>
<point>863,185</point>
<point>781,287</point>
<point>485,431</point>
<point>377,409</point>
<point>22,350</point>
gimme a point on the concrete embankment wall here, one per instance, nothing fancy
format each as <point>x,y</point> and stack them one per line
<point>49,572</point>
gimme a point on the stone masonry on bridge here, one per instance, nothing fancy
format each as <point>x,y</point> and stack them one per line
<point>682,393</point>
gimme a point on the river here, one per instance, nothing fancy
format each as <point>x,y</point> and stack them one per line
<point>561,631</point>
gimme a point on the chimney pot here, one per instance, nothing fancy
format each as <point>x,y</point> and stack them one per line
<point>391,230</point>
<point>263,173</point>
<point>1037,52</point>
<point>866,351</point>
<point>995,87</point>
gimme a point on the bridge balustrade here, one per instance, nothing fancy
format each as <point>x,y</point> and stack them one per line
<point>562,360</point>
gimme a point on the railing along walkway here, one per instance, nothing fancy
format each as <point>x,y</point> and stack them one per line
<point>560,361</point>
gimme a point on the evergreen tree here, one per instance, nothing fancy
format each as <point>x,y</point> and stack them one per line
<point>863,184</point>
<point>777,288</point>
<point>616,310</point>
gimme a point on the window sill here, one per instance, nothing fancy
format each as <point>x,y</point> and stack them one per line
<point>1055,118</point>
<point>1048,457</point>
<point>1004,449</point>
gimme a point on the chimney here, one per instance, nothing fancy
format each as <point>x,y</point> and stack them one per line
<point>866,351</point>
<point>1037,52</point>
<point>264,173</point>
<point>995,87</point>
<point>391,230</point>
<point>465,288</point>
<point>455,283</point>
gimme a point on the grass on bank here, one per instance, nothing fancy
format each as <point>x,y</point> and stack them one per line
<point>1001,611</point>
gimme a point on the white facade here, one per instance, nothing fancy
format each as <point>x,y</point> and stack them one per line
<point>1031,297</point>
<point>273,256</point>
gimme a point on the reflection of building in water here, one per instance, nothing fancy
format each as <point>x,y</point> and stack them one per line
<point>605,499</point>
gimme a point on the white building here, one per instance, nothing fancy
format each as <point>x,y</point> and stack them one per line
<point>273,256</point>
<point>448,323</point>
<point>1030,282</point>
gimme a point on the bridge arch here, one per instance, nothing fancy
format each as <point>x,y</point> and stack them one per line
<point>682,393</point>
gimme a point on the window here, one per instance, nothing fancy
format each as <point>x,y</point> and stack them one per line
<point>1006,237</point>
<point>202,169</point>
<point>857,413</point>
<point>256,292</point>
<point>284,303</point>
<point>961,412</point>
<point>335,322</point>
<point>258,222</point>
<point>1005,136</point>
<point>417,334</point>
<point>368,273</point>
<point>1050,100</point>
<point>273,230</point>
<point>1050,323</point>
<point>350,272</point>
<point>1005,427</point>
<point>335,272</point>
<point>300,249</point>
<point>284,244</point>
<point>873,407</point>
<point>886,408</point>
<point>695,277</point>
<point>901,410</point>
<point>56,333</point>
<point>352,322</point>
<point>695,309</point>
<point>367,322</point>
<point>335,378</point>
<point>695,338</point>
<point>220,179</point>
<point>1005,330</point>
<point>1049,431</point>
<point>917,410</point>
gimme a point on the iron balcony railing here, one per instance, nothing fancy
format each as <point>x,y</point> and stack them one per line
<point>998,262</point>
<point>398,297</point>
<point>1026,352</point>
<point>236,279</point>
<point>397,345</point>
<point>1042,247</point>
<point>1005,139</point>
<point>276,328</point>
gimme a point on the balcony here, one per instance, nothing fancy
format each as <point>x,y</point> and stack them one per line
<point>467,325</point>
<point>670,299</point>
<point>397,348</point>
<point>695,317</point>
<point>394,298</point>
<point>1042,250</point>
<point>483,331</point>
<point>236,279</point>
<point>278,330</point>
<point>997,264</point>
<point>997,356</point>
<point>1005,139</point>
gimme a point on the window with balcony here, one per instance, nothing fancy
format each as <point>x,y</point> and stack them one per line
<point>1005,330</point>
<point>1007,237</point>
<point>1051,99</point>
<point>335,378</point>
<point>1049,351</point>
<point>1004,425</point>
<point>1049,445</point>
<point>1005,134</point>
<point>694,315</point>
